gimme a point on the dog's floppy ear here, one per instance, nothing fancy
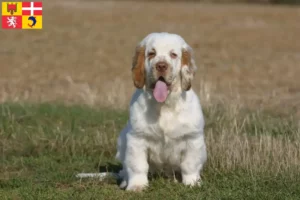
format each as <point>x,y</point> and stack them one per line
<point>138,67</point>
<point>188,68</point>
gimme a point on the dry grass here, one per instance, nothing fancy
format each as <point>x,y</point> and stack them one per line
<point>246,54</point>
<point>256,142</point>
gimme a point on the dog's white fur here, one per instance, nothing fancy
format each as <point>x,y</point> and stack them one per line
<point>163,136</point>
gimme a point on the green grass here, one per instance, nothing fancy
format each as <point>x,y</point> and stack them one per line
<point>44,146</point>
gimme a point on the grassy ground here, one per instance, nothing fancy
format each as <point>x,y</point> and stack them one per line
<point>44,146</point>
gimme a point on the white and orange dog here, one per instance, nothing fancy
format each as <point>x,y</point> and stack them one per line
<point>165,128</point>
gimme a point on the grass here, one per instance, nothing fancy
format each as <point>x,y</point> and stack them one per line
<point>43,147</point>
<point>82,57</point>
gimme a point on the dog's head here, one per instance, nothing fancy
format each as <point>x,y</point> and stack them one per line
<point>163,62</point>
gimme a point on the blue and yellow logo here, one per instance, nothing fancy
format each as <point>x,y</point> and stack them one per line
<point>32,21</point>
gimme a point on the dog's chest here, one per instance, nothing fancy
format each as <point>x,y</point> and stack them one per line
<point>167,139</point>
<point>170,125</point>
<point>165,152</point>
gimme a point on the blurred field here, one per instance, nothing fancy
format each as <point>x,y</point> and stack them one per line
<point>245,53</point>
<point>248,59</point>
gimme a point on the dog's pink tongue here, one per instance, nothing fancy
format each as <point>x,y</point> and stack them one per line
<point>160,91</point>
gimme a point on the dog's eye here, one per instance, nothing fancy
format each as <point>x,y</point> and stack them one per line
<point>173,55</point>
<point>151,54</point>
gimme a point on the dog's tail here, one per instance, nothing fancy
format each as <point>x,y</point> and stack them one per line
<point>101,175</point>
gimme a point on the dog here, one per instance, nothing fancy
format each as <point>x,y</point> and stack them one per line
<point>165,130</point>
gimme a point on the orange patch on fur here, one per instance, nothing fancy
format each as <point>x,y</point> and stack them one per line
<point>138,67</point>
<point>186,58</point>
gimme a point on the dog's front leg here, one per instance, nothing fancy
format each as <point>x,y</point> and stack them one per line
<point>136,163</point>
<point>193,160</point>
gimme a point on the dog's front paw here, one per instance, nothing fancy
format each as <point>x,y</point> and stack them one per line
<point>191,180</point>
<point>137,183</point>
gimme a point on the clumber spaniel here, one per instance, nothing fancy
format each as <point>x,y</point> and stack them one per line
<point>165,128</point>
